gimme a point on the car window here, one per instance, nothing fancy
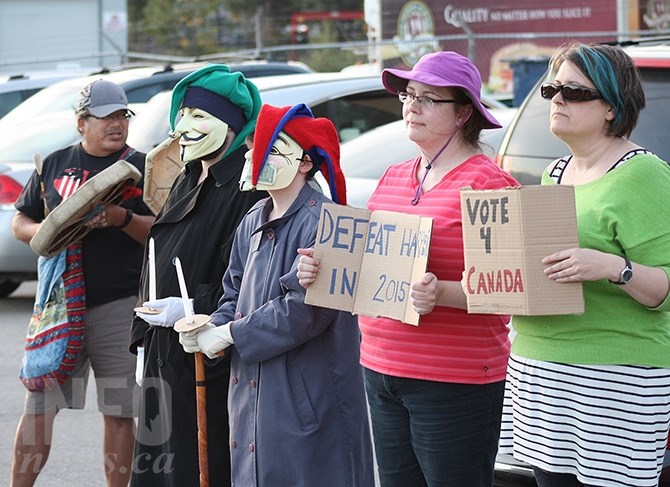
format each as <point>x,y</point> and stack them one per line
<point>356,114</point>
<point>531,146</point>
<point>140,94</point>
<point>12,98</point>
<point>56,98</point>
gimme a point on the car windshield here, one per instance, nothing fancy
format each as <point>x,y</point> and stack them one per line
<point>532,150</point>
<point>61,97</point>
<point>43,136</point>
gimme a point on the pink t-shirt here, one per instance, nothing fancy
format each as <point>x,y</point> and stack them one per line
<point>449,345</point>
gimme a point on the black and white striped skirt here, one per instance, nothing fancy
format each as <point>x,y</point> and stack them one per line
<point>606,424</point>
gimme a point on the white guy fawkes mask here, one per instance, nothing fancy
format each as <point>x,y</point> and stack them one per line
<point>201,133</point>
<point>278,170</point>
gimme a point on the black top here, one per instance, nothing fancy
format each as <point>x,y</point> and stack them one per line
<point>197,224</point>
<point>112,260</point>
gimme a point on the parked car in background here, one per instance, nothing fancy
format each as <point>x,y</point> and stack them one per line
<point>356,103</point>
<point>46,122</point>
<point>528,146</point>
<point>17,88</point>
<point>140,84</point>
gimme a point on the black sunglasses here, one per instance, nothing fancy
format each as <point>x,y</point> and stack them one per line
<point>569,92</point>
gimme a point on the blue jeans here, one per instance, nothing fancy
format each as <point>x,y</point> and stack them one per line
<point>434,433</point>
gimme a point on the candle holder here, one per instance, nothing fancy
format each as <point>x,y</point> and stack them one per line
<point>147,311</point>
<point>192,323</point>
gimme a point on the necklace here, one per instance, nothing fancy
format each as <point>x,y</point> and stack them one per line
<point>429,166</point>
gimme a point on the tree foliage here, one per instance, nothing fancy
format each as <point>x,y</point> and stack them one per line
<point>186,26</point>
<point>197,27</point>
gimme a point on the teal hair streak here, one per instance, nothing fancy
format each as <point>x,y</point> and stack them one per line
<point>600,71</point>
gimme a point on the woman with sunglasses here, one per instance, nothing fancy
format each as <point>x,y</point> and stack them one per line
<point>590,393</point>
<point>435,390</point>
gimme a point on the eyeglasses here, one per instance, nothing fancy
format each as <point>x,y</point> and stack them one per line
<point>116,116</point>
<point>569,92</point>
<point>423,101</point>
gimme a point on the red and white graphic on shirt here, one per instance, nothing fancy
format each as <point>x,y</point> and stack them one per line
<point>70,181</point>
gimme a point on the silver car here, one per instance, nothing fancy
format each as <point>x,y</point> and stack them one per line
<point>355,103</point>
<point>18,262</point>
<point>365,158</point>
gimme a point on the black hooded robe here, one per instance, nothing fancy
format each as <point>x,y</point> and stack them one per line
<point>197,224</point>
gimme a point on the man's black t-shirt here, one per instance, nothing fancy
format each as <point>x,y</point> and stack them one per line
<point>112,260</point>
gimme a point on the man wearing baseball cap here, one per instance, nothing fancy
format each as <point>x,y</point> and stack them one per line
<point>110,256</point>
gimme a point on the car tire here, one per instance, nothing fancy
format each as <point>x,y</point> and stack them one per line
<point>7,287</point>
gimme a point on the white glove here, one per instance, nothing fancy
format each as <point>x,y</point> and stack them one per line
<point>139,366</point>
<point>171,311</point>
<point>212,340</point>
<point>188,339</point>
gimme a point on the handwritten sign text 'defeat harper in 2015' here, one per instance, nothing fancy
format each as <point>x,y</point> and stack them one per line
<point>368,261</point>
<point>506,234</point>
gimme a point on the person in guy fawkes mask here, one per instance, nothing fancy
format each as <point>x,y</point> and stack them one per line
<point>212,111</point>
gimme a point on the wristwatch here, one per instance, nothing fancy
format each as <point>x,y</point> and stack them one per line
<point>626,274</point>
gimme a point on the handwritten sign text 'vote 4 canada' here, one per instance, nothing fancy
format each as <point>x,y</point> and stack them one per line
<point>368,261</point>
<point>506,234</point>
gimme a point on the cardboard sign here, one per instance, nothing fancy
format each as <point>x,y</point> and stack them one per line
<point>368,261</point>
<point>506,234</point>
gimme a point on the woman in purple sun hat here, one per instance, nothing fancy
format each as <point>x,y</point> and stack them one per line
<point>435,390</point>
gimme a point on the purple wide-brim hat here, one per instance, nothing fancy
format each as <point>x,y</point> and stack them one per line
<point>444,69</point>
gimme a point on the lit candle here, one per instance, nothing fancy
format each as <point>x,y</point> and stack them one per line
<point>184,294</point>
<point>152,270</point>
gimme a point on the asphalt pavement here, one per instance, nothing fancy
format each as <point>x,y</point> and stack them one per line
<point>76,453</point>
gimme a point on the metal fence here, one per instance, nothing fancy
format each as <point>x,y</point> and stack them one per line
<point>496,55</point>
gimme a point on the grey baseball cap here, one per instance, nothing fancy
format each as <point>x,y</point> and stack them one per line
<point>101,98</point>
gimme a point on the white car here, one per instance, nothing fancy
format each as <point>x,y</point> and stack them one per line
<point>365,158</point>
<point>139,83</point>
<point>355,103</point>
<point>17,88</point>
<point>46,122</point>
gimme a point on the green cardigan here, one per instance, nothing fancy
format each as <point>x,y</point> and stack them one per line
<point>626,211</point>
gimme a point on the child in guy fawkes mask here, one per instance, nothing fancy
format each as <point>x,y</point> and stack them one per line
<point>288,142</point>
<point>296,400</point>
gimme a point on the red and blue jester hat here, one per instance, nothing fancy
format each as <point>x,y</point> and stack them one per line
<point>316,136</point>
